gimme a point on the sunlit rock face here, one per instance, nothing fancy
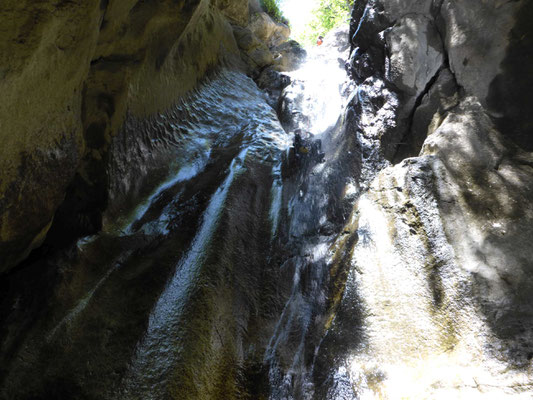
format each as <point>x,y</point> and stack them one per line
<point>264,43</point>
<point>439,297</point>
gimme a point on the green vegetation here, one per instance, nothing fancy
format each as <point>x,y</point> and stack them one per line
<point>272,8</point>
<point>327,15</point>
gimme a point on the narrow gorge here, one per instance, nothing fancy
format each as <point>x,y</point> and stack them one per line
<point>193,205</point>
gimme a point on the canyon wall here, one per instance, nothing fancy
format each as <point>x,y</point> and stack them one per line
<point>219,259</point>
<point>73,73</point>
<point>438,296</point>
<point>151,242</point>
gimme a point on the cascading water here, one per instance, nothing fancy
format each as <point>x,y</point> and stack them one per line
<point>324,82</point>
<point>315,198</point>
<point>170,283</point>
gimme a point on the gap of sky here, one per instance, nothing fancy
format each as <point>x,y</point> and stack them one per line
<point>298,12</point>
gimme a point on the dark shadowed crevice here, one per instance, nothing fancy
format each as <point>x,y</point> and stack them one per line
<point>509,98</point>
<point>410,146</point>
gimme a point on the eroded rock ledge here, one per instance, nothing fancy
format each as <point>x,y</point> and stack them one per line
<point>72,73</point>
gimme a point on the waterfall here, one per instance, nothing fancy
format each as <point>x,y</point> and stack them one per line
<point>312,198</point>
<point>257,234</point>
<point>155,355</point>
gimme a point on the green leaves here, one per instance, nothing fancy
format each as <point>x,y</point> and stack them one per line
<point>327,15</point>
<point>271,7</point>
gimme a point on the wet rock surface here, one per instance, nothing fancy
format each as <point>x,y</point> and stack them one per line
<point>181,295</point>
<point>73,73</point>
<point>273,83</point>
<point>159,301</point>
<point>315,239</point>
<point>289,56</point>
<point>437,301</point>
<point>70,74</point>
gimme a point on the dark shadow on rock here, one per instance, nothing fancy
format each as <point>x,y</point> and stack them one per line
<point>344,338</point>
<point>510,98</point>
<point>71,319</point>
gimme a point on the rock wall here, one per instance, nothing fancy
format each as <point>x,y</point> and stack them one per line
<point>163,302</point>
<point>177,158</point>
<point>438,297</point>
<point>220,274</point>
<point>72,73</point>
